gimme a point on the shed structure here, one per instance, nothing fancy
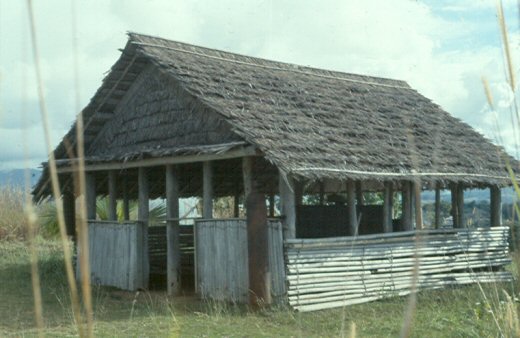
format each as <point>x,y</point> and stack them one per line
<point>173,120</point>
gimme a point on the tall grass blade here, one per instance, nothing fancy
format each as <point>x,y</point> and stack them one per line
<point>54,176</point>
<point>29,212</point>
<point>81,182</point>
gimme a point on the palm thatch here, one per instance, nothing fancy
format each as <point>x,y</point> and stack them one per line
<point>166,98</point>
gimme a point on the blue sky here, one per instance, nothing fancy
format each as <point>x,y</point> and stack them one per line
<point>441,48</point>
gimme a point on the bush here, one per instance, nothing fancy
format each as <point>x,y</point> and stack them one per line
<point>13,223</point>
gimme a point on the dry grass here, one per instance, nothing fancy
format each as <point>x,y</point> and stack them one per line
<point>453,312</point>
<point>13,223</point>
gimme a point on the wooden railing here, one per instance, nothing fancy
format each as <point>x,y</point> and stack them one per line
<point>333,272</point>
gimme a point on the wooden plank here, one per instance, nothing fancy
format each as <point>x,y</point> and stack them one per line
<point>287,204</point>
<point>454,206</point>
<point>207,193</point>
<point>257,243</point>
<point>173,258</point>
<point>112,196</point>
<point>69,212</point>
<point>223,267</point>
<point>406,216</point>
<point>408,235</point>
<point>351,204</point>
<point>161,161</point>
<point>90,195</point>
<point>495,206</point>
<point>437,219</point>
<point>387,207</point>
<point>324,273</point>
<point>126,198</point>
<point>142,229</point>
<point>247,175</point>
<point>418,204</point>
<point>359,193</point>
<point>460,206</point>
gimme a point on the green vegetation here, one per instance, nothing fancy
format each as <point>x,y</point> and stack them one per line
<point>457,312</point>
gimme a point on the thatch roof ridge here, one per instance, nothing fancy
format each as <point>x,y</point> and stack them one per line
<point>226,56</point>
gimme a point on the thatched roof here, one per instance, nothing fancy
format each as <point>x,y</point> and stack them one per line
<point>308,122</point>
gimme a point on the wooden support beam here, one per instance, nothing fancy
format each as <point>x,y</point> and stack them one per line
<point>454,205</point>
<point>69,212</point>
<point>236,207</point>
<point>495,206</point>
<point>322,192</point>
<point>207,190</point>
<point>387,208</point>
<point>126,198</point>
<point>247,175</point>
<point>287,206</point>
<point>271,205</point>
<point>406,215</point>
<point>143,213</point>
<point>67,166</point>
<point>144,201</point>
<point>298,192</point>
<point>460,206</point>
<point>173,255</point>
<point>418,205</point>
<point>90,195</point>
<point>112,196</point>
<point>359,193</point>
<point>258,255</point>
<point>437,206</point>
<point>351,204</point>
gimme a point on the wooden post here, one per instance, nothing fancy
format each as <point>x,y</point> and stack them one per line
<point>460,206</point>
<point>112,196</point>
<point>173,257</point>
<point>322,192</point>
<point>143,208</point>
<point>454,205</point>
<point>69,212</point>
<point>90,195</point>
<point>359,194</point>
<point>496,206</point>
<point>406,215</point>
<point>387,207</point>
<point>247,175</point>
<point>287,206</point>
<point>298,192</point>
<point>236,209</point>
<point>257,244</point>
<point>437,206</point>
<point>143,213</point>
<point>418,205</point>
<point>351,204</point>
<point>207,190</point>
<point>126,198</point>
<point>271,205</point>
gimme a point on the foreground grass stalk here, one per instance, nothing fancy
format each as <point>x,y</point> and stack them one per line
<point>35,277</point>
<point>412,299</point>
<point>54,178</point>
<point>81,183</point>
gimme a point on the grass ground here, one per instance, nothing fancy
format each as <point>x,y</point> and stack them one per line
<point>457,312</point>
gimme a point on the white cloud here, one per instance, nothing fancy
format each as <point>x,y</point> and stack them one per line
<point>442,56</point>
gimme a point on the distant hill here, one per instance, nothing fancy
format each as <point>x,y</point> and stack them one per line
<point>16,177</point>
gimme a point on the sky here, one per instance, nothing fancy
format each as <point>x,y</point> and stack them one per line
<point>441,48</point>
